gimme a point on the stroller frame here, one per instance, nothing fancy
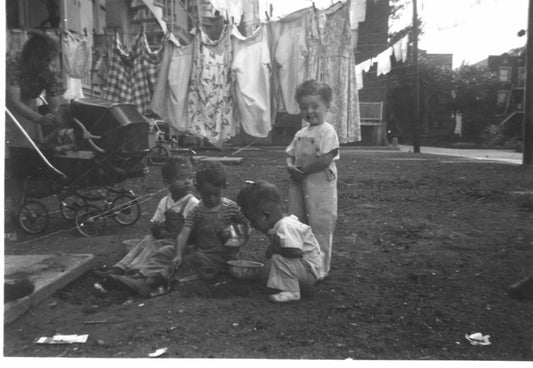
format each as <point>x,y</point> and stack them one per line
<point>98,171</point>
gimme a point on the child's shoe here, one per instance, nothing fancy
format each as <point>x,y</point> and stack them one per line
<point>285,296</point>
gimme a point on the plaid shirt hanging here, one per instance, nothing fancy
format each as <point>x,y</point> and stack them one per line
<point>144,73</point>
<point>118,87</point>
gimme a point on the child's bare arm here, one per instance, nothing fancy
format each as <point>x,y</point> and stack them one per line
<point>294,172</point>
<point>320,163</point>
<point>181,240</point>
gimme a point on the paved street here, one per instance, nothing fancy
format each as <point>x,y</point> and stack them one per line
<point>508,156</point>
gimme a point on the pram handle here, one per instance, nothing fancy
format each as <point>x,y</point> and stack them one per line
<point>89,137</point>
<point>34,145</point>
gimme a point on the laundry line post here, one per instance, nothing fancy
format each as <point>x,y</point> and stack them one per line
<point>527,158</point>
<point>416,122</point>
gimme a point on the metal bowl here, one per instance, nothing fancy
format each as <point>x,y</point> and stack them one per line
<point>245,270</point>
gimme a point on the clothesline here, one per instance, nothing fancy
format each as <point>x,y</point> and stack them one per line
<point>398,50</point>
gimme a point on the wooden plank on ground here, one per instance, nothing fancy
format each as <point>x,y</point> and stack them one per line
<point>224,160</point>
<point>48,273</point>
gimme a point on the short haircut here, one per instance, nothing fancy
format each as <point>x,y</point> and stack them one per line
<point>312,87</point>
<point>172,168</point>
<point>254,194</point>
<point>211,172</point>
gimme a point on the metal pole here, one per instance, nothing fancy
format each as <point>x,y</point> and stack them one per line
<point>416,130</point>
<point>527,158</point>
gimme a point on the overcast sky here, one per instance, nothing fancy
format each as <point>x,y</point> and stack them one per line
<point>470,29</point>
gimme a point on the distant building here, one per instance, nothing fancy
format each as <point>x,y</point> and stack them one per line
<point>511,69</point>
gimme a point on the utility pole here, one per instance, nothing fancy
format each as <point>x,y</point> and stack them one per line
<point>416,130</point>
<point>527,159</point>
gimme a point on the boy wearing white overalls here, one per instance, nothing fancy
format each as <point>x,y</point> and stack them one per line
<point>311,165</point>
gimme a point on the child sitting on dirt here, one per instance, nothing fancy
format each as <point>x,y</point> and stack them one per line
<point>207,224</point>
<point>294,253</point>
<point>168,218</point>
<point>62,138</point>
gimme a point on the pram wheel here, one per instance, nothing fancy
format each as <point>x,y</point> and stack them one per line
<point>126,210</point>
<point>33,217</point>
<point>90,220</point>
<point>158,154</point>
<point>70,205</point>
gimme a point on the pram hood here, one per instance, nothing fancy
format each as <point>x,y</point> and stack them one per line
<point>121,127</point>
<point>123,133</point>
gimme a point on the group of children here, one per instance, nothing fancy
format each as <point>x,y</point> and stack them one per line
<point>188,235</point>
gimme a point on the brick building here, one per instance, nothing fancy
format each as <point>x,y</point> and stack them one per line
<point>511,69</point>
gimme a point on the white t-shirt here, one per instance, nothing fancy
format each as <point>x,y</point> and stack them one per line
<point>167,203</point>
<point>295,234</point>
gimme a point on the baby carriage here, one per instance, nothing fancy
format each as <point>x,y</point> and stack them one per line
<point>112,142</point>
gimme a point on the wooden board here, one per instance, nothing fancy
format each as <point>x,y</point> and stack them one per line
<point>224,160</point>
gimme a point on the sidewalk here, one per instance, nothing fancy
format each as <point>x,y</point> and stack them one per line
<point>507,156</point>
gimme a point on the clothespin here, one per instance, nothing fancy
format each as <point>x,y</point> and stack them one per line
<point>267,16</point>
<point>85,31</point>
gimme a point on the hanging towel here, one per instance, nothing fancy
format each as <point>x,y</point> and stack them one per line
<point>251,80</point>
<point>404,47</point>
<point>359,76</point>
<point>77,60</point>
<point>144,73</point>
<point>366,65</point>
<point>357,13</point>
<point>397,50</point>
<point>291,54</point>
<point>170,96</point>
<point>118,87</point>
<point>210,103</point>
<point>384,62</point>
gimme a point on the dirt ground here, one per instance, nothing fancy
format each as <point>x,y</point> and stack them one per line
<point>424,248</point>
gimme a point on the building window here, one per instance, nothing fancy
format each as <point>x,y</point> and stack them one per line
<point>521,76</point>
<point>502,98</point>
<point>505,74</point>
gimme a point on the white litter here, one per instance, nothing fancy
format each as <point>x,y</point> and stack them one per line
<point>63,339</point>
<point>158,353</point>
<point>478,339</point>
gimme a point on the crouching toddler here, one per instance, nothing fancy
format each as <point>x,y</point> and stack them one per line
<point>294,253</point>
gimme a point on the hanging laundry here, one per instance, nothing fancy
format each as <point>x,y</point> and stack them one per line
<point>251,79</point>
<point>366,65</point>
<point>210,103</point>
<point>359,77</point>
<point>357,13</point>
<point>118,87</point>
<point>384,62</point>
<point>397,50</point>
<point>144,73</point>
<point>291,54</point>
<point>404,47</point>
<point>171,92</point>
<point>315,24</point>
<point>274,31</point>
<point>337,69</point>
<point>77,61</point>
